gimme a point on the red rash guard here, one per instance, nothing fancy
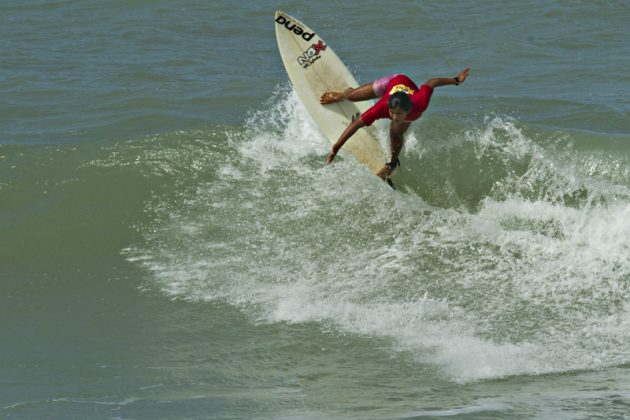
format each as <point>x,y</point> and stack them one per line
<point>419,97</point>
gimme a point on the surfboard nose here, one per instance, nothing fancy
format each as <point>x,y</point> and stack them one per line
<point>314,68</point>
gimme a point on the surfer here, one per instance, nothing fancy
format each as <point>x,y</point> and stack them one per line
<point>401,101</point>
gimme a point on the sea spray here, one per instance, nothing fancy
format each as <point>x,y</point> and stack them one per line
<point>520,281</point>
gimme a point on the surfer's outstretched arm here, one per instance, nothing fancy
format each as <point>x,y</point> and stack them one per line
<point>347,133</point>
<point>444,81</point>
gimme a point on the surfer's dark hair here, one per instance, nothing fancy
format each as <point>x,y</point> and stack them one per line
<point>400,100</point>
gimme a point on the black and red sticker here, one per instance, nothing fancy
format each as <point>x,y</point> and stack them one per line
<point>311,55</point>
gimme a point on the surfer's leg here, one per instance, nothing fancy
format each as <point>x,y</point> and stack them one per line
<point>380,85</point>
<point>361,93</point>
<point>397,140</point>
<point>373,90</point>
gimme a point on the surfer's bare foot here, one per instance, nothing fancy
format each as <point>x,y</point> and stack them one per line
<point>331,97</point>
<point>383,173</point>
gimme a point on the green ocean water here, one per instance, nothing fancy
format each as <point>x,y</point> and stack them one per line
<point>172,245</point>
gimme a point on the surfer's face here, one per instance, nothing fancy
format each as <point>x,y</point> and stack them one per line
<point>397,114</point>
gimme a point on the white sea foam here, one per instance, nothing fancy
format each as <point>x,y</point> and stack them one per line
<point>525,285</point>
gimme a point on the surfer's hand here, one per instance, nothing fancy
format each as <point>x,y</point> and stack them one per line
<point>331,156</point>
<point>463,75</point>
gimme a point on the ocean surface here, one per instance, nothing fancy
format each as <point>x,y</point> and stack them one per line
<point>173,246</point>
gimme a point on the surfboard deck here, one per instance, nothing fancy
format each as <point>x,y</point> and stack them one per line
<point>314,68</point>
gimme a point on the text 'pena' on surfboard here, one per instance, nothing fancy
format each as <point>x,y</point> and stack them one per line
<point>295,28</point>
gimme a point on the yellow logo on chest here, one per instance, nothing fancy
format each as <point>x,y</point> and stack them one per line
<point>401,88</point>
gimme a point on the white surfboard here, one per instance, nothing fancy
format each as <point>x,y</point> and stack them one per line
<point>314,68</point>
